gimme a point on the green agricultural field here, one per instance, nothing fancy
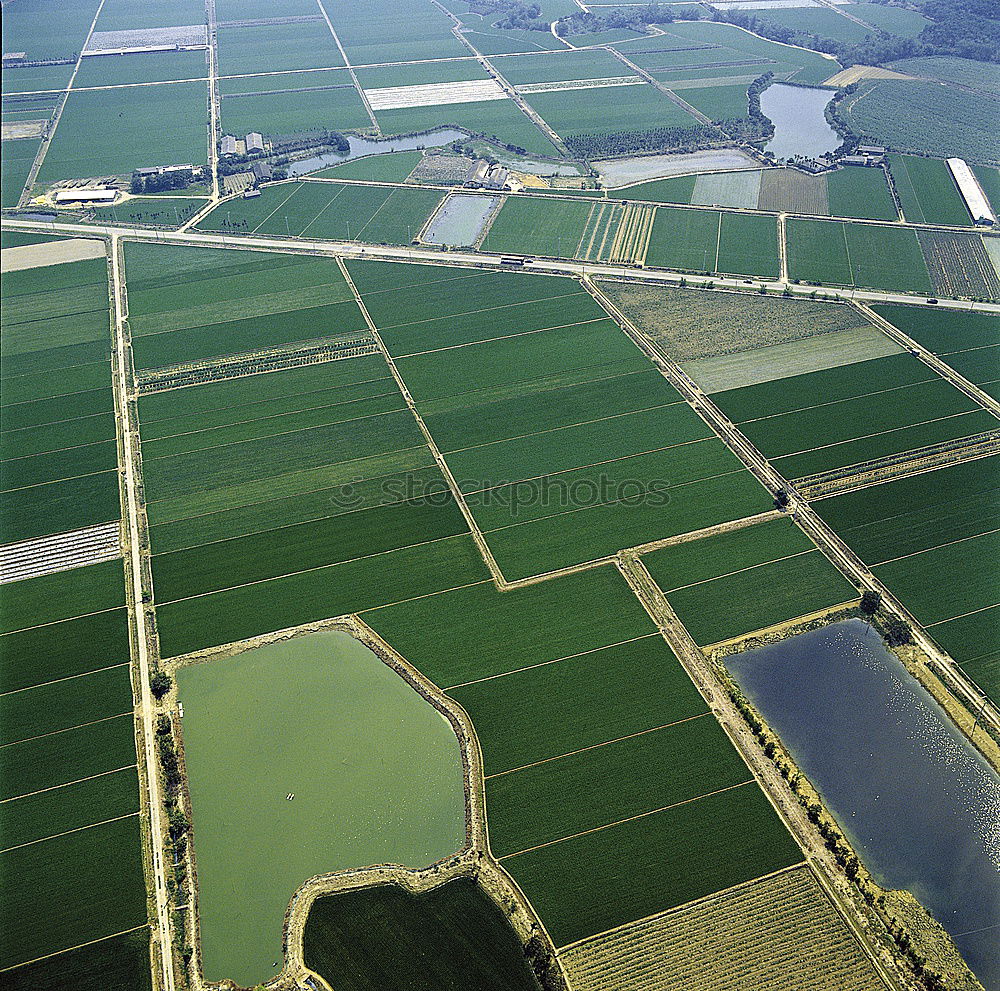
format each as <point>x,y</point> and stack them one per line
<point>608,109</point>
<point>274,47</point>
<point>112,132</point>
<point>678,189</point>
<point>864,193</point>
<point>156,67</point>
<point>569,795</point>
<point>420,73</point>
<point>684,239</point>
<point>379,936</point>
<point>18,157</point>
<point>716,102</point>
<point>927,191</point>
<point>395,30</point>
<point>334,106</point>
<point>748,245</point>
<point>544,711</point>
<point>525,226</point>
<point>387,167</point>
<point>823,22</point>
<point>715,842</point>
<point>564,65</point>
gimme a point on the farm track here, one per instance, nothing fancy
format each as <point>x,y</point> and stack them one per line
<point>863,476</point>
<point>668,93</point>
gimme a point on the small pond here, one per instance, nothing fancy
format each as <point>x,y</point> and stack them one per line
<point>370,146</point>
<point>800,125</point>
<point>460,221</point>
<point>918,801</point>
<point>374,771</point>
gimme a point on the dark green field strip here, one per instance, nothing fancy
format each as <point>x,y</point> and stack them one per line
<point>271,392</point>
<point>374,277</point>
<point>246,335</point>
<point>379,937</point>
<point>974,641</point>
<point>969,565</point>
<point>610,783</point>
<point>87,300</point>
<point>916,513</point>
<point>162,276</point>
<point>943,331</point>
<point>686,239</point>
<point>348,474</point>
<point>831,423</point>
<point>581,701</point>
<point>120,963</point>
<point>504,320</point>
<point>270,456</point>
<point>760,597</point>
<point>47,334</point>
<point>213,438</point>
<point>499,419</point>
<point>36,469</point>
<point>62,705</point>
<point>56,409</point>
<point>62,595</point>
<point>829,385</point>
<point>724,553</point>
<point>447,292</point>
<point>981,366</point>
<point>304,546</point>
<point>58,436</point>
<point>337,501</point>
<point>55,507</point>
<point>240,613</point>
<point>518,359</point>
<point>574,537</point>
<point>348,396</point>
<point>71,890</point>
<point>49,813</point>
<point>527,226</point>
<point>570,447</point>
<point>62,758</point>
<point>70,277</point>
<point>55,358</point>
<point>748,245</point>
<point>629,479</point>
<point>884,444</point>
<point>477,632</point>
<point>63,650</point>
<point>72,380</point>
<point>601,880</point>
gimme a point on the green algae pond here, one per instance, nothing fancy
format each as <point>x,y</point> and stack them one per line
<point>374,769</point>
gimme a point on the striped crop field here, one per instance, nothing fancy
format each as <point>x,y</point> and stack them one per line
<point>566,444</point>
<point>780,930</point>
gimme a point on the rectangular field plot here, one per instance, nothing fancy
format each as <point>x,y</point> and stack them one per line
<point>713,241</point>
<point>274,47</point>
<point>959,265</point>
<point>291,103</point>
<point>290,480</point>
<point>969,342</point>
<point>566,445</point>
<point>853,423</point>
<point>551,228</point>
<point>330,211</point>
<point>863,255</point>
<point>568,683</point>
<point>113,132</point>
<point>395,31</point>
<point>232,303</point>
<point>729,585</point>
<point>927,191</point>
<point>121,70</point>
<point>57,439</point>
<point>931,538</point>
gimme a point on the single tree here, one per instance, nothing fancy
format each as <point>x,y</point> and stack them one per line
<point>870,602</point>
<point>160,684</point>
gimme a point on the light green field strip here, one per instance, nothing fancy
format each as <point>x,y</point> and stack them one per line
<point>811,354</point>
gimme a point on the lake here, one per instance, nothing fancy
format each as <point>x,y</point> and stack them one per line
<point>800,126</point>
<point>919,803</point>
<point>369,146</point>
<point>374,768</point>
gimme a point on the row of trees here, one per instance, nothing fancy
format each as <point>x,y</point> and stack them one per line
<point>632,141</point>
<point>636,19</point>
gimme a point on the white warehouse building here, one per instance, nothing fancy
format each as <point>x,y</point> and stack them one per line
<point>975,199</point>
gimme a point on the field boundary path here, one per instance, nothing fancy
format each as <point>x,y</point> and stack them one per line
<point>350,68</point>
<point>214,108</point>
<point>141,632</point>
<point>766,774</point>
<point>668,93</point>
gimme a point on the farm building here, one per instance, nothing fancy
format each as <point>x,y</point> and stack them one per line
<point>255,143</point>
<point>228,146</point>
<point>975,199</point>
<point>262,172</point>
<point>86,197</point>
